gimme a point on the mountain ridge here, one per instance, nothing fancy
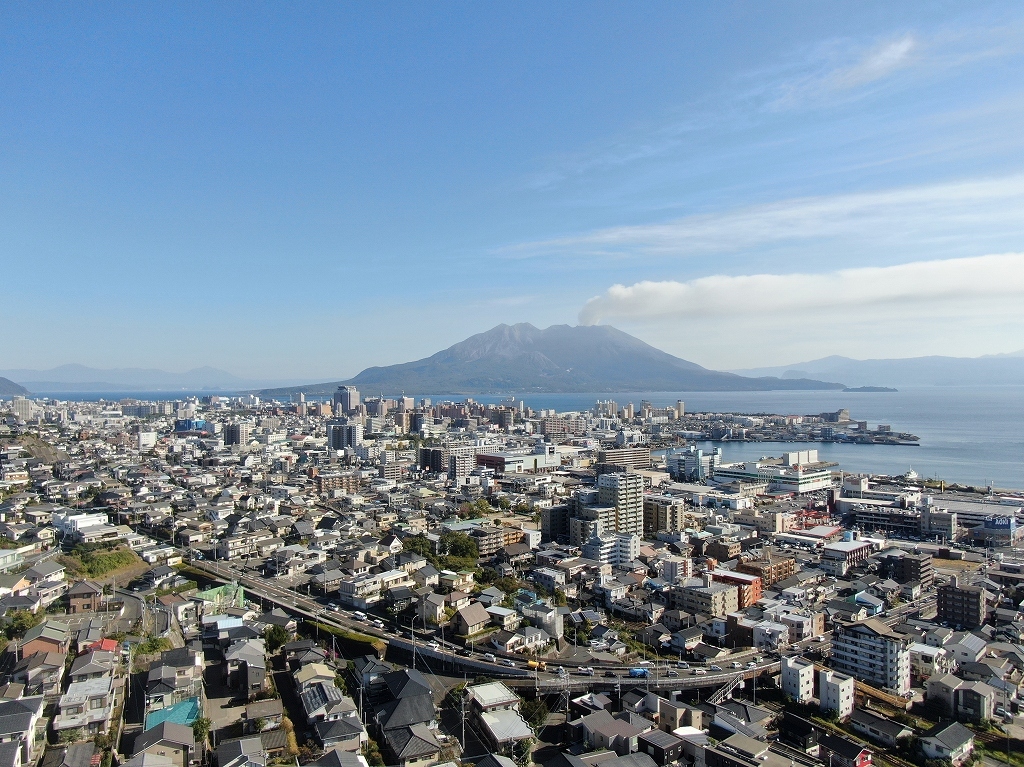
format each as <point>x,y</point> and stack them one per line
<point>560,358</point>
<point>931,370</point>
<point>76,377</point>
<point>9,388</point>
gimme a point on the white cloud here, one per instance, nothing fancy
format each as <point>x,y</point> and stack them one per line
<point>949,288</point>
<point>943,215</point>
<point>841,69</point>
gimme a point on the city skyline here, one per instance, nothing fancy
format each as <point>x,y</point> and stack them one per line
<point>291,192</point>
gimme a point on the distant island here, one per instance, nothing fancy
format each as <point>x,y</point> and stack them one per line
<point>871,389</point>
<point>518,359</point>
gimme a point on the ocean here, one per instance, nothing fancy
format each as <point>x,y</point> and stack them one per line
<point>971,435</point>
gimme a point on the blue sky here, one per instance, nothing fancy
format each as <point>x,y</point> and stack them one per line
<point>304,190</point>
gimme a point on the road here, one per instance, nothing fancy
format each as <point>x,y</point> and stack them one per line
<point>659,675</point>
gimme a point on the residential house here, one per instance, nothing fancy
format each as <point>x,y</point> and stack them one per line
<point>950,741</point>
<point>18,724</point>
<point>49,636</point>
<point>87,706</point>
<point>84,597</point>
<point>880,729</point>
<point>495,709</point>
<point>472,619</point>
<point>244,752</point>
<point>173,741</point>
<point>245,666</point>
<point>42,673</point>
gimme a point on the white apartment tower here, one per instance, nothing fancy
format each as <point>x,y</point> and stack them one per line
<point>871,651</point>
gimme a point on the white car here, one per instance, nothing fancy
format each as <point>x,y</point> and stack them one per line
<point>508,662</point>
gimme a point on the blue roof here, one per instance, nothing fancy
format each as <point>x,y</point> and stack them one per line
<point>184,713</point>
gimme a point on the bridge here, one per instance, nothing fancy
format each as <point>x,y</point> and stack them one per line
<point>514,676</point>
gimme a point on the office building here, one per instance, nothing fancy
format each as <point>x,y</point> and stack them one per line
<point>871,651</point>
<point>346,399</point>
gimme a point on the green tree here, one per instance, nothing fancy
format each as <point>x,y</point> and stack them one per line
<point>560,600</point>
<point>535,712</point>
<point>457,544</point>
<point>71,736</point>
<point>276,637</point>
<point>372,753</point>
<point>504,503</point>
<point>20,622</point>
<point>418,544</point>
<point>201,729</point>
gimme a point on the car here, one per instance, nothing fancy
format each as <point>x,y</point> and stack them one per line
<point>644,663</point>
<point>465,653</point>
<point>489,657</point>
<point>377,622</point>
<point>715,668</point>
<point>434,646</point>
<point>819,638</point>
<point>333,607</point>
<point>700,672</point>
<point>359,616</point>
<point>610,673</point>
<point>585,671</point>
<point>560,671</point>
<point>735,664</point>
<point>682,664</point>
<point>508,662</point>
<point>751,665</point>
<point>673,672</point>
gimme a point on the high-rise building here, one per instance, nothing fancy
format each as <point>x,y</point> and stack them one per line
<point>871,651</point>
<point>342,434</point>
<point>22,408</point>
<point>346,398</point>
<point>237,433</point>
<point>624,491</point>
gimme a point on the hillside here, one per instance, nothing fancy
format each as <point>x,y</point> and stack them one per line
<point>561,358</point>
<point>9,389</point>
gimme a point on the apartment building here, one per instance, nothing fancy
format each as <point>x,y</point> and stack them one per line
<point>962,605</point>
<point>798,679</point>
<point>835,692</point>
<point>706,597</point>
<point>871,651</point>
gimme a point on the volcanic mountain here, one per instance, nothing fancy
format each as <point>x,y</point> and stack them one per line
<point>562,358</point>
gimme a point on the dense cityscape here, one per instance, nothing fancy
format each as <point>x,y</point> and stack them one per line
<point>361,581</point>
